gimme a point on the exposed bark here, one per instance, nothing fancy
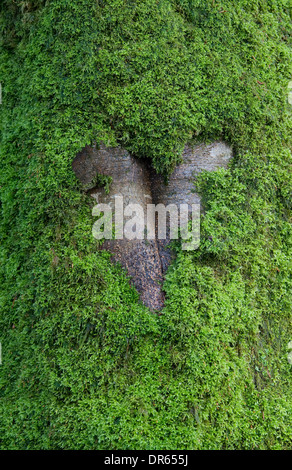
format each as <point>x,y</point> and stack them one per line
<point>181,185</point>
<point>146,261</point>
<point>130,179</point>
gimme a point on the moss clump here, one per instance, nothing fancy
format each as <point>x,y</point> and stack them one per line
<point>98,180</point>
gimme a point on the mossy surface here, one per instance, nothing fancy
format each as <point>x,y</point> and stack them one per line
<point>84,364</point>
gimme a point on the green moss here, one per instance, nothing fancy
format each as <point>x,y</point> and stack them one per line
<point>84,364</point>
<point>98,180</point>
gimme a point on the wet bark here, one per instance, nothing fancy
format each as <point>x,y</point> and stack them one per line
<point>146,261</point>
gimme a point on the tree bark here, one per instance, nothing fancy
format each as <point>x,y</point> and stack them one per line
<point>145,260</point>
